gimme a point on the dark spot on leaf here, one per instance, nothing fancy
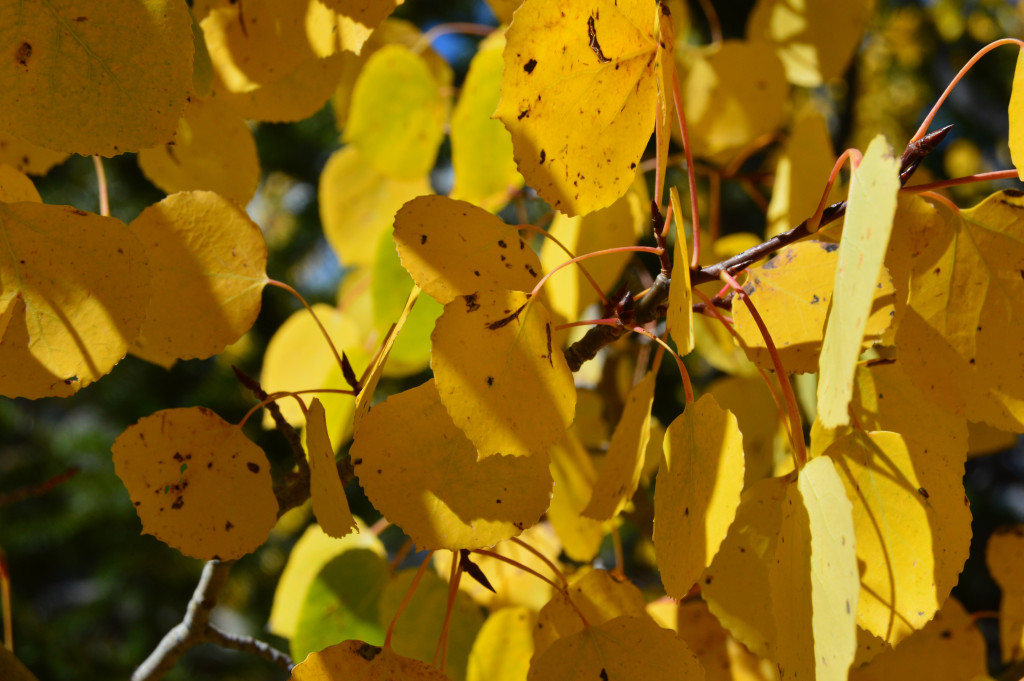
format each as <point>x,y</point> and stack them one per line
<point>23,54</point>
<point>78,212</point>
<point>604,675</point>
<point>252,467</point>
<point>228,526</point>
<point>471,304</point>
<point>594,45</point>
<point>631,165</point>
<point>847,606</point>
<point>543,155</point>
<point>530,66</point>
<point>490,380</point>
<point>815,300</point>
<point>946,634</point>
<point>523,114</point>
<point>368,652</point>
<point>178,457</point>
<point>497,501</point>
<point>502,243</point>
<point>178,503</point>
<point>476,272</point>
<point>923,492</point>
<point>494,326</point>
<point>686,511</point>
<point>707,580</point>
<point>423,239</point>
<point>830,247</point>
<point>547,329</point>
<point>531,271</point>
<point>357,461</point>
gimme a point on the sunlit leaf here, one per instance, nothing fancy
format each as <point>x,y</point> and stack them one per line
<point>422,473</point>
<point>570,70</point>
<point>357,19</point>
<point>620,472</point>
<point>397,114</point>
<point>489,350</point>
<point>504,647</point>
<point>1016,116</point>
<point>197,482</point>
<point>699,487</point>
<point>813,581</point>
<point>1005,559</point>
<point>210,260</point>
<point>913,528</point>
<point>680,298</point>
<point>358,660</point>
<point>623,648</point>
<point>329,501</point>
<point>115,74</point>
<point>74,287</point>
<point>869,216</point>
<point>212,149</point>
<point>454,248</point>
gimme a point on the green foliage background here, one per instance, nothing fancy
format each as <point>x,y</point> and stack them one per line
<point>92,597</point>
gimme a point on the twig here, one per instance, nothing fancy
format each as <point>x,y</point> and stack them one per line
<point>280,421</point>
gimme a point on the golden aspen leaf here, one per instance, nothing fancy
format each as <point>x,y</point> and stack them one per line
<point>16,187</point>
<point>417,631</point>
<point>293,96</point>
<point>620,472</point>
<point>1016,116</point>
<point>358,204</point>
<point>342,602</point>
<point>815,40</point>
<point>397,115</point>
<point>1005,559</point>
<point>27,157</point>
<point>793,292</point>
<point>104,79</point>
<point>758,419</point>
<point>961,334</point>
<point>453,248</point>
<point>680,297</point>
<point>571,70</point>
<point>503,9</point>
<point>665,76</point>
<point>869,217</point>
<point>983,440</point>
<point>801,172</point>
<point>329,501</point>
<point>485,172</point>
<point>699,487</point>
<point>736,584</point>
<point>358,19</point>
<point>599,595</point>
<point>949,648</point>
<point>623,648</point>
<point>504,647</point>
<point>197,482</point>
<point>313,550</point>
<point>422,473</point>
<point>621,223</point>
<point>392,30</point>
<point>212,149</point>
<point>913,527</point>
<point>210,259</point>
<point>298,358</point>
<point>721,656</point>
<point>734,92</point>
<point>202,67</point>
<point>66,327</point>
<point>574,478</point>
<point>813,580</point>
<point>358,660</point>
<point>512,586</point>
<point>489,350</point>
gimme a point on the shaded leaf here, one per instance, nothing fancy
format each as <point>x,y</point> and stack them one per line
<point>1005,559</point>
<point>574,478</point>
<point>16,187</point>
<point>358,660</point>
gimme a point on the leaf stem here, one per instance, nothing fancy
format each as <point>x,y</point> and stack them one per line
<point>969,179</point>
<point>448,28</point>
<point>941,199</point>
<point>101,182</point>
<point>594,254</point>
<point>543,558</point>
<point>714,25</point>
<point>814,222</point>
<point>547,235</point>
<point>289,289</point>
<point>408,597</point>
<point>453,589</point>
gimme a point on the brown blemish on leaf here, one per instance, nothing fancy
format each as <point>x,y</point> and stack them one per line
<point>502,243</point>
<point>228,526</point>
<point>23,54</point>
<point>594,45</point>
<point>253,467</point>
<point>490,380</point>
<point>471,304</point>
<point>423,239</point>
<point>178,503</point>
<point>367,652</point>
<point>523,114</point>
<point>923,492</point>
<point>494,326</point>
<point>531,271</point>
<point>357,461</point>
<point>543,155</point>
<point>530,66</point>
<point>547,330</point>
<point>603,674</point>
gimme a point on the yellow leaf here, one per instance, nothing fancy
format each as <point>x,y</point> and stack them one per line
<point>869,216</point>
<point>723,658</point>
<point>298,358</point>
<point>734,93</point>
<point>358,660</point>
<point>397,115</point>
<point>210,260</point>
<point>574,479</point>
<point>801,171</point>
<point>422,473</point>
<point>358,204</point>
<point>949,648</point>
<point>329,501</point>
<point>102,79</point>
<point>16,187</point>
<point>489,350</point>
<point>698,492</point>
<point>504,647</point>
<point>913,527</point>
<point>1016,115</point>
<point>485,172</point>
<point>311,553</point>
<point>793,292</point>
<point>620,473</point>
<point>358,19</point>
<point>757,416</point>
<point>1005,559</point>
<point>624,648</point>
<point>984,440</point>
<point>571,70</point>
<point>453,248</point>
<point>197,483</point>
<point>212,149</point>
<point>293,96</point>
<point>813,581</point>
<point>680,297</point>
<point>619,224</point>
<point>736,585</point>
<point>960,336</point>
<point>503,9</point>
<point>66,327</point>
<point>815,40</point>
<point>27,157</point>
<point>598,594</point>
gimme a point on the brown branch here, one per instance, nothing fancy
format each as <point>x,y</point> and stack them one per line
<point>282,424</point>
<point>653,305</point>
